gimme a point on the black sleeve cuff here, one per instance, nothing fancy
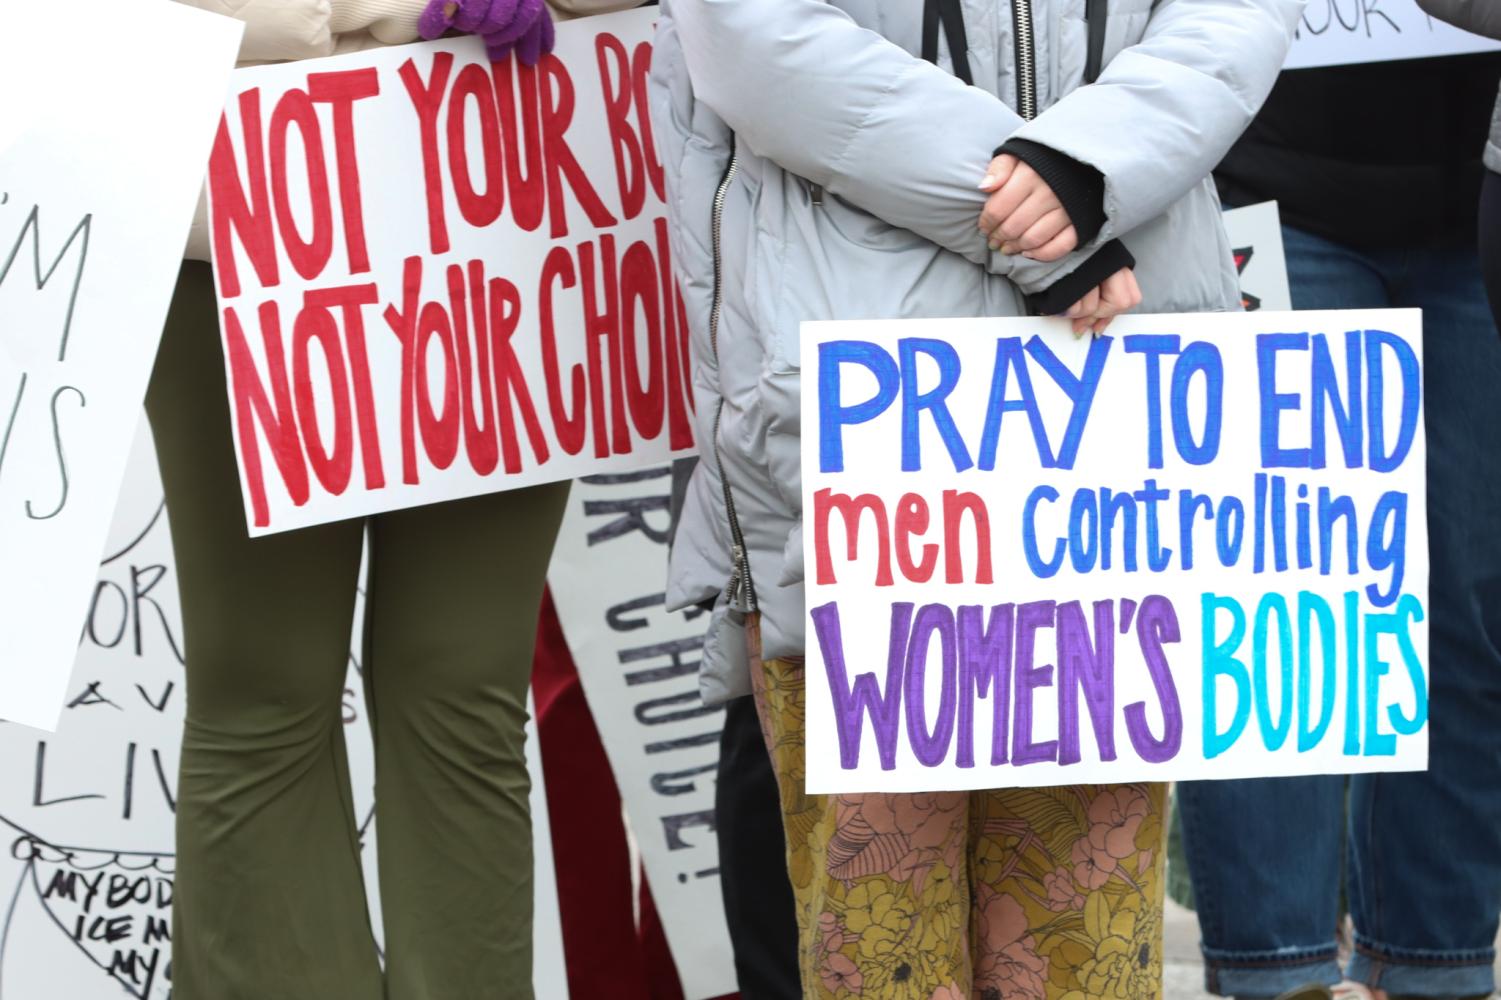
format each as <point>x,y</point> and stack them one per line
<point>1080,187</point>
<point>1069,289</point>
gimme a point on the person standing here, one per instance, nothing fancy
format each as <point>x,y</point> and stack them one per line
<point>893,159</point>
<point>1484,18</point>
<point>1376,169</point>
<point>269,897</point>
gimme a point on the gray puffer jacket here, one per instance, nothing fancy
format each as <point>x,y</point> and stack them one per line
<point>819,168</point>
<point>1483,17</point>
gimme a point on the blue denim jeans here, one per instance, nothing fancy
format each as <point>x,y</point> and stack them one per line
<point>1421,853</point>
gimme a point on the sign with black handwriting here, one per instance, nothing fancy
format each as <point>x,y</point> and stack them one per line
<point>1340,32</point>
<point>639,663</point>
<point>102,146</point>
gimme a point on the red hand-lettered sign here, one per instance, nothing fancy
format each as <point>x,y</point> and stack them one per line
<point>440,277</point>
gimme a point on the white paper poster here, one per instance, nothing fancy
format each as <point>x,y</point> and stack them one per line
<point>1337,32</point>
<point>440,277</point>
<point>1256,240</point>
<point>101,161</point>
<point>1193,548</point>
<point>86,813</point>
<point>639,667</point>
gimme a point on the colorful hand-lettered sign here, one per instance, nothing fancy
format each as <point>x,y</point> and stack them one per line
<point>1193,548</point>
<point>440,277</point>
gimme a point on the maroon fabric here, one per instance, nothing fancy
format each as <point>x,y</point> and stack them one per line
<point>661,971</point>
<point>607,956</point>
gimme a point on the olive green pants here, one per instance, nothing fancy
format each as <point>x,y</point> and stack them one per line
<point>270,900</point>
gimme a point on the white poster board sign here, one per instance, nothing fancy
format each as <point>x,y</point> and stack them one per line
<point>86,813</point>
<point>1256,240</point>
<point>1338,32</point>
<point>102,146</point>
<point>639,667</point>
<point>441,277</point>
<point>1193,548</point>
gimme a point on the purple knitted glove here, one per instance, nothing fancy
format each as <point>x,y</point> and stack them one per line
<point>531,46</point>
<point>522,26</point>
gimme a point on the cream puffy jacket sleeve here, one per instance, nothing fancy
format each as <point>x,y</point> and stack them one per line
<point>277,30</point>
<point>566,9</point>
<point>282,30</point>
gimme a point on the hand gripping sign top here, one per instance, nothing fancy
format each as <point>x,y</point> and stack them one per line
<point>440,277</point>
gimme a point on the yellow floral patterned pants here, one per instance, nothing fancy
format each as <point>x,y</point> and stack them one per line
<point>1016,894</point>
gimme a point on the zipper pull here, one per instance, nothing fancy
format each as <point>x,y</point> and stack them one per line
<point>732,589</point>
<point>815,194</point>
<point>736,594</point>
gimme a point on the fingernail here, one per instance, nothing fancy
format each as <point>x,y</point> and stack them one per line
<point>989,180</point>
<point>995,245</point>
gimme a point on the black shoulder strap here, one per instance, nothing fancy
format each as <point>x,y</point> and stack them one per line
<point>930,31</point>
<point>1096,13</point>
<point>951,14</point>
<point>958,39</point>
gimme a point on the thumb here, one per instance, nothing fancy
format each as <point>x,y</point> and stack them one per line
<point>998,173</point>
<point>436,18</point>
<point>537,41</point>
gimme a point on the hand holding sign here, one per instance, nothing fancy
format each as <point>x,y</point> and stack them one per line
<point>1117,294</point>
<point>522,25</point>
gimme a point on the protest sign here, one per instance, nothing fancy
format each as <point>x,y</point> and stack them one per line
<point>97,187</point>
<point>1193,548</point>
<point>87,813</point>
<point>440,278</point>
<point>1338,32</point>
<point>1256,241</point>
<point>638,664</point>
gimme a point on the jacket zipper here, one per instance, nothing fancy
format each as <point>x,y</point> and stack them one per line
<point>741,591</point>
<point>1026,60</point>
